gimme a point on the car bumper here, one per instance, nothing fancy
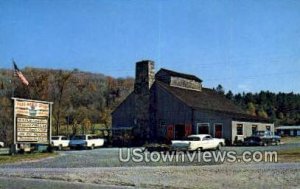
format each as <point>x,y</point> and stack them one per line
<point>78,145</point>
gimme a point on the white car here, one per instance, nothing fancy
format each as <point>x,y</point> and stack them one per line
<point>60,142</point>
<point>86,141</point>
<point>1,144</point>
<point>197,142</point>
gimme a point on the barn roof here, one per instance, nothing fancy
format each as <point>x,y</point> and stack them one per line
<point>178,74</point>
<point>210,100</point>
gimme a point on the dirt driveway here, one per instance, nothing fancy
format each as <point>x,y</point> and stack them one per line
<point>89,169</point>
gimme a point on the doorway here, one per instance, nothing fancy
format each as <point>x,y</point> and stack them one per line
<point>218,130</point>
<point>203,128</point>
<point>179,132</point>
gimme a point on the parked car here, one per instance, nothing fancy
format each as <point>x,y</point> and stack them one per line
<point>262,138</point>
<point>197,142</point>
<point>60,142</point>
<point>253,141</point>
<point>86,141</point>
<point>1,144</point>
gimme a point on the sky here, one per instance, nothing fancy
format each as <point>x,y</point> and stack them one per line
<point>245,45</point>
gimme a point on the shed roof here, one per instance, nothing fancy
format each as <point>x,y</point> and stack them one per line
<point>288,127</point>
<point>210,100</point>
<point>178,74</point>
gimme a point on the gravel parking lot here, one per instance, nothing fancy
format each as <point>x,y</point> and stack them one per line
<point>101,168</point>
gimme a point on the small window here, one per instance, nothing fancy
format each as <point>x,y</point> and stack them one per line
<point>239,129</point>
<point>206,138</point>
<point>193,139</point>
<point>90,137</point>
<point>63,138</point>
<point>254,129</point>
<point>268,128</point>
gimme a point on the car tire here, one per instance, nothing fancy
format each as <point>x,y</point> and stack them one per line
<point>265,144</point>
<point>93,147</point>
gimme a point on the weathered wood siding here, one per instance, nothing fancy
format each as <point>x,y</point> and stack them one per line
<point>185,83</point>
<point>212,118</point>
<point>163,76</point>
<point>169,111</point>
<point>124,115</point>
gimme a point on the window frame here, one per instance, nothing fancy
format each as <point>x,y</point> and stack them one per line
<point>254,126</point>
<point>237,126</point>
<point>201,125</point>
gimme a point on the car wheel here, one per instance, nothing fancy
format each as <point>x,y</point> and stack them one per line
<point>265,144</point>
<point>93,147</point>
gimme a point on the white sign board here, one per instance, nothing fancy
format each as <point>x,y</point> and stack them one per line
<point>32,121</point>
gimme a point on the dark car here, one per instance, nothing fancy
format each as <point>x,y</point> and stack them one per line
<point>262,138</point>
<point>253,141</point>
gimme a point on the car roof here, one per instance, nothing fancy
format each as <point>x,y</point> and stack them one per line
<point>199,135</point>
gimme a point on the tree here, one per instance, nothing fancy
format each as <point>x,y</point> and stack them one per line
<point>262,113</point>
<point>86,125</point>
<point>220,89</point>
<point>106,118</point>
<point>61,79</point>
<point>6,121</point>
<point>251,109</point>
<point>229,95</point>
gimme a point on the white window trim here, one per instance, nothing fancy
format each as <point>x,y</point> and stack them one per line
<point>254,125</point>
<point>242,129</point>
<point>215,129</point>
<point>199,124</point>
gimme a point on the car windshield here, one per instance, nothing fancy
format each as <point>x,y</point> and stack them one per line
<point>55,138</point>
<point>79,137</point>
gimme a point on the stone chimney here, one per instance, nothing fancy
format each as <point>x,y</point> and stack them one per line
<point>144,78</point>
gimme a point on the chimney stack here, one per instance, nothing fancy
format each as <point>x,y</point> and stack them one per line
<point>144,76</point>
<point>144,79</point>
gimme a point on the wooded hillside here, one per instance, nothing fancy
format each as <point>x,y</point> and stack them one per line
<point>82,100</point>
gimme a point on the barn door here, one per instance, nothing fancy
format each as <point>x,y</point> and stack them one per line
<point>218,130</point>
<point>170,132</point>
<point>188,129</point>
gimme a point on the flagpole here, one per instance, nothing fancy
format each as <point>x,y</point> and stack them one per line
<point>13,79</point>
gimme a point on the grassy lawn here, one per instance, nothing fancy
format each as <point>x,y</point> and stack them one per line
<point>288,140</point>
<point>291,155</point>
<point>24,157</point>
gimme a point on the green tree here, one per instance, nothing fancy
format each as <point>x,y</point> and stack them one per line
<point>262,113</point>
<point>251,109</point>
<point>220,89</point>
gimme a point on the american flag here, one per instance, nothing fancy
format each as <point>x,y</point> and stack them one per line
<point>20,75</point>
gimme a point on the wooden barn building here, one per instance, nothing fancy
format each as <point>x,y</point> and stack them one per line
<point>171,105</point>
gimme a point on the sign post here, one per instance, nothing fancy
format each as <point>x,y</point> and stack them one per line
<point>32,122</point>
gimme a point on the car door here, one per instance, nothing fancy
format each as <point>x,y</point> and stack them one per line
<point>195,142</point>
<point>64,141</point>
<point>210,142</point>
<point>206,142</point>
